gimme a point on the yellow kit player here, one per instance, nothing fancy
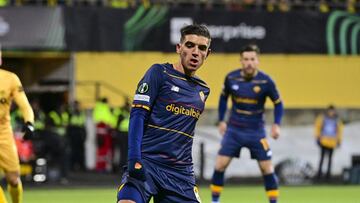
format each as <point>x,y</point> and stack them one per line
<point>11,90</point>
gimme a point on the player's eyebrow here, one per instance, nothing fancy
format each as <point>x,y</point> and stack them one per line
<point>191,44</point>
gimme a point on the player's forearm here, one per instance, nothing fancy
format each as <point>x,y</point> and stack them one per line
<point>278,113</point>
<point>25,108</point>
<point>136,131</point>
<point>222,108</point>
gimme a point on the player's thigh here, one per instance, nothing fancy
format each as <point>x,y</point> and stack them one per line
<point>189,194</point>
<point>230,145</point>
<point>128,193</point>
<point>259,149</point>
<point>9,160</point>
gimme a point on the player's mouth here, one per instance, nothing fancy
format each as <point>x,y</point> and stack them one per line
<point>194,62</point>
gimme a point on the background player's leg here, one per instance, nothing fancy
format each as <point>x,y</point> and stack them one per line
<point>217,182</point>
<point>14,186</point>
<point>2,196</point>
<point>270,180</point>
<point>321,163</point>
<point>328,173</point>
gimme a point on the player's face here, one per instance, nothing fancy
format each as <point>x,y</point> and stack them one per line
<point>249,61</point>
<point>193,52</point>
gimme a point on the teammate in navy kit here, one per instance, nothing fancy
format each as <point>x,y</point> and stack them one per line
<point>167,104</point>
<point>248,88</point>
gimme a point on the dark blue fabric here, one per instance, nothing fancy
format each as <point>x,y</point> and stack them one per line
<point>175,102</point>
<point>270,182</point>
<point>248,98</point>
<point>218,178</point>
<point>278,112</point>
<point>136,131</point>
<point>222,107</point>
<point>235,138</point>
<point>130,192</point>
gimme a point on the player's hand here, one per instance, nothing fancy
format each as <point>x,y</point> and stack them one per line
<point>136,169</point>
<point>275,131</point>
<point>28,130</point>
<point>222,126</point>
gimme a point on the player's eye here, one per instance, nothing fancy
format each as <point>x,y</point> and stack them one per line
<point>189,44</point>
<point>202,47</point>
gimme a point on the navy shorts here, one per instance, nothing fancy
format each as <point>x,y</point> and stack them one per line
<point>164,184</point>
<point>253,139</point>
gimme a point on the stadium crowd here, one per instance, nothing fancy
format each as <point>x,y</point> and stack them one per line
<point>324,6</point>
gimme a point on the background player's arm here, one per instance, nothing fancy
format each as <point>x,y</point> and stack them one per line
<point>318,126</point>
<point>278,110</point>
<point>222,126</point>
<point>22,101</point>
<point>339,134</point>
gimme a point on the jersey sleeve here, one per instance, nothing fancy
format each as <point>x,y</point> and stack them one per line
<point>223,100</point>
<point>21,100</point>
<point>273,92</point>
<point>148,87</point>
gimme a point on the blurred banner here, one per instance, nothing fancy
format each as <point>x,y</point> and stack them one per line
<point>31,28</point>
<point>157,29</point>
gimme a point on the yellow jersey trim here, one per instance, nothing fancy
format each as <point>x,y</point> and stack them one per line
<point>172,130</point>
<point>141,106</point>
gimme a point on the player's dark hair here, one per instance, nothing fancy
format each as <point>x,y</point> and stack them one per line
<point>250,47</point>
<point>194,29</point>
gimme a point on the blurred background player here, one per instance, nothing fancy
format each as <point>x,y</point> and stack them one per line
<point>166,107</point>
<point>248,88</point>
<point>11,89</point>
<point>328,133</point>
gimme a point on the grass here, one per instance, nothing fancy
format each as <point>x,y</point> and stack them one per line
<point>231,194</point>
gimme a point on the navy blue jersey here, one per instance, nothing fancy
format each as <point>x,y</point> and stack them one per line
<point>248,98</point>
<point>175,102</point>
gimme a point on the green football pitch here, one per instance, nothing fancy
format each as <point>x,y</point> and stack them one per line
<point>231,194</point>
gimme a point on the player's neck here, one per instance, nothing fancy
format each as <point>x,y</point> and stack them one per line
<point>180,68</point>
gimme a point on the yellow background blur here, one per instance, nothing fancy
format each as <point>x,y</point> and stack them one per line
<point>304,81</point>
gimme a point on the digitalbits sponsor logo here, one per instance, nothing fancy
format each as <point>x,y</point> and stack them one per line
<point>183,111</point>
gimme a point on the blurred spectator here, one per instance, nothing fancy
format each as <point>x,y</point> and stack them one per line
<point>50,146</point>
<point>3,3</point>
<point>328,133</point>
<point>105,123</point>
<point>324,6</point>
<point>121,136</point>
<point>40,116</point>
<point>76,134</point>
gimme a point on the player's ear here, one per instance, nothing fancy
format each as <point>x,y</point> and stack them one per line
<point>208,53</point>
<point>178,46</point>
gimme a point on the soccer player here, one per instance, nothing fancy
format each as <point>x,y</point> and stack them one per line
<point>167,104</point>
<point>248,88</point>
<point>11,89</point>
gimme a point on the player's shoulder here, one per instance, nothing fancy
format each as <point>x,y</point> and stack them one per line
<point>234,74</point>
<point>264,76</point>
<point>200,82</point>
<point>8,74</point>
<point>158,68</point>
